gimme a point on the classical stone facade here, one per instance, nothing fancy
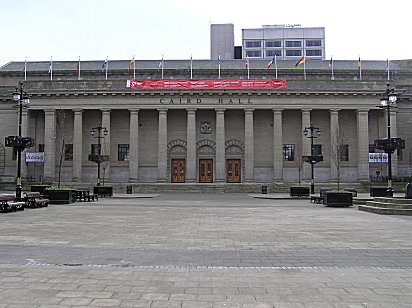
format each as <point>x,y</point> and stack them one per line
<point>218,136</point>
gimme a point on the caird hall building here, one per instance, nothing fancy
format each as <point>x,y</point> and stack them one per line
<point>204,129</point>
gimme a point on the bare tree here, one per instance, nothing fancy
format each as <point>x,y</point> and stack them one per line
<point>105,159</point>
<point>339,148</point>
<point>63,137</point>
<point>299,161</point>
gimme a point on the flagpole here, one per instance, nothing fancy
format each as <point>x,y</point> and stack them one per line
<point>304,67</point>
<point>331,63</point>
<point>248,64</point>
<point>360,68</point>
<point>276,68</point>
<point>162,66</point>
<point>191,67</point>
<point>387,68</point>
<point>51,68</point>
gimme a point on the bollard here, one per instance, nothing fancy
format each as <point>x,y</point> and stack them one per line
<point>264,189</point>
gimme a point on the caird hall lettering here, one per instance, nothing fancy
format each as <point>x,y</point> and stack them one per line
<point>220,101</point>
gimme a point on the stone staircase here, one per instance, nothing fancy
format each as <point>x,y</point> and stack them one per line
<point>388,206</point>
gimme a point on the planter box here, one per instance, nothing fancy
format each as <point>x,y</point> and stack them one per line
<point>39,188</point>
<point>104,191</point>
<point>299,191</point>
<point>338,199</point>
<point>59,196</point>
<point>378,191</point>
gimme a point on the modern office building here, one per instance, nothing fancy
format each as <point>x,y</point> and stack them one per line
<point>205,130</point>
<point>283,41</point>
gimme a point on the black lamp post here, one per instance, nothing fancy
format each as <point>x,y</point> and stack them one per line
<point>312,132</point>
<point>20,97</point>
<point>99,129</point>
<point>388,101</point>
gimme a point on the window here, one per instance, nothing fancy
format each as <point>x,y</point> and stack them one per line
<point>317,149</point>
<point>14,154</point>
<point>293,53</point>
<point>293,44</point>
<point>344,152</point>
<point>123,152</point>
<point>272,53</point>
<point>270,44</point>
<point>313,43</point>
<point>314,53</point>
<point>41,147</point>
<point>288,152</point>
<point>253,44</point>
<point>95,149</point>
<point>253,54</point>
<point>68,152</point>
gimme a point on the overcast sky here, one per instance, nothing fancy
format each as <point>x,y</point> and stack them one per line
<point>39,29</point>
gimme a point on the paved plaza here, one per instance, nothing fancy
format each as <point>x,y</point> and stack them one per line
<point>204,250</point>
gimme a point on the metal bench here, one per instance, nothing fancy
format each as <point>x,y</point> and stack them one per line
<point>8,203</point>
<point>35,199</point>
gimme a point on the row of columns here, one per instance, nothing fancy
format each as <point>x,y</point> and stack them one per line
<point>220,157</point>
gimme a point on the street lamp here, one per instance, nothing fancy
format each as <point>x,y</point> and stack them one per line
<point>20,97</point>
<point>312,132</point>
<point>98,158</point>
<point>389,145</point>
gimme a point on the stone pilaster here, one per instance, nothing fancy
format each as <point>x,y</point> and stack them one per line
<point>334,144</point>
<point>191,146</point>
<point>162,147</point>
<point>77,145</point>
<point>105,172</point>
<point>49,145</point>
<point>306,147</point>
<point>134,146</point>
<point>220,146</point>
<point>363,144</point>
<point>277,146</point>
<point>249,146</point>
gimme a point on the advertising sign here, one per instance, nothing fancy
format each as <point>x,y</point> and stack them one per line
<point>34,157</point>
<point>378,157</point>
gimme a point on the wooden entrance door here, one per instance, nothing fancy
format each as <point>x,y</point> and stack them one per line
<point>206,170</point>
<point>233,170</point>
<point>178,170</point>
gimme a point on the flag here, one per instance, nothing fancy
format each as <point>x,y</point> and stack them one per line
<point>247,67</point>
<point>331,66</point>
<point>301,61</point>
<point>78,69</point>
<point>387,69</point>
<point>25,69</point>
<point>218,64</point>
<point>271,62</point>
<point>191,67</point>
<point>360,68</point>
<point>131,63</point>
<point>51,68</point>
<point>105,65</point>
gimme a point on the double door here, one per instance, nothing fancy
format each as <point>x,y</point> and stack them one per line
<point>178,170</point>
<point>233,168</point>
<point>206,170</point>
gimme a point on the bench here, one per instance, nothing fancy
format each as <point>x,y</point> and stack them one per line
<point>8,203</point>
<point>316,199</point>
<point>35,199</point>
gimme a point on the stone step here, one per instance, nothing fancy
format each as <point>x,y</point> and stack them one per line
<point>392,200</point>
<point>389,205</point>
<point>384,211</point>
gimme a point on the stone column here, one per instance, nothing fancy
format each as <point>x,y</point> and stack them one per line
<point>105,143</point>
<point>277,146</point>
<point>191,146</point>
<point>24,133</point>
<point>363,144</point>
<point>394,134</point>
<point>77,145</point>
<point>162,147</point>
<point>306,147</point>
<point>134,145</point>
<point>334,144</point>
<point>220,164</point>
<point>249,146</point>
<point>49,145</point>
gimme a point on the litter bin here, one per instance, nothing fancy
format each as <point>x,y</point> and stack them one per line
<point>264,189</point>
<point>128,189</point>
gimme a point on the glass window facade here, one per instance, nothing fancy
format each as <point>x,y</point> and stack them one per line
<point>271,44</point>
<point>314,53</point>
<point>293,44</point>
<point>253,44</point>
<point>293,53</point>
<point>253,53</point>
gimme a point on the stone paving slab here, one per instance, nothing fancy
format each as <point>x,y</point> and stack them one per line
<point>204,250</point>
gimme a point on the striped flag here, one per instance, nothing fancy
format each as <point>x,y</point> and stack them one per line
<point>105,65</point>
<point>218,63</point>
<point>161,65</point>
<point>191,67</point>
<point>78,69</point>
<point>360,68</point>
<point>387,69</point>
<point>247,67</point>
<point>301,61</point>
<point>271,62</point>
<point>132,62</point>
<point>331,66</point>
<point>25,69</point>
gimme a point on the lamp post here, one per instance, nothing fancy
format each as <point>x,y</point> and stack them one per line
<point>20,97</point>
<point>99,129</point>
<point>312,132</point>
<point>388,101</point>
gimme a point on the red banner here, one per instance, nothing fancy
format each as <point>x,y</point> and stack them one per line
<point>205,84</point>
